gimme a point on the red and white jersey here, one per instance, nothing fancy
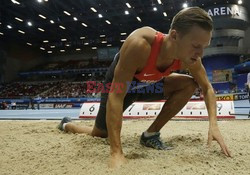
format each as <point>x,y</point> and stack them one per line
<point>150,73</point>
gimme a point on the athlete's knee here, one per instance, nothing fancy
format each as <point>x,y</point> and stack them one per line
<point>193,84</point>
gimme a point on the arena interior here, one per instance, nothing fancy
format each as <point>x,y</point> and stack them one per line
<point>51,49</point>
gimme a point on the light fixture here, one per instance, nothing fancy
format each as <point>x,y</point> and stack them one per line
<point>100,15</point>
<point>85,25</point>
<point>159,1</point>
<point>122,40</point>
<point>104,42</point>
<point>29,23</point>
<point>45,41</point>
<point>123,33</point>
<point>62,27</point>
<point>185,5</point>
<point>20,31</point>
<point>39,1</point>
<point>93,9</point>
<point>15,2</point>
<point>128,5</point>
<point>239,2</point>
<point>51,21</point>
<point>138,18</point>
<point>18,19</point>
<point>52,46</point>
<point>155,9</point>
<point>75,18</point>
<point>42,48</point>
<point>1,33</point>
<point>165,14</point>
<point>67,13</point>
<point>63,39</point>
<point>94,48</point>
<point>108,22</point>
<point>42,30</point>
<point>41,16</point>
<point>9,26</point>
<point>49,51</point>
<point>126,12</point>
<point>109,45</point>
<point>62,50</point>
<point>82,37</point>
<point>102,36</point>
<point>29,44</point>
<point>86,44</point>
<point>77,49</point>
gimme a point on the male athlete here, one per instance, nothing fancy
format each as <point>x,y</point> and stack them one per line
<point>150,56</point>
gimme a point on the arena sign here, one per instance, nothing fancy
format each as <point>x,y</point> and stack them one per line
<point>232,11</point>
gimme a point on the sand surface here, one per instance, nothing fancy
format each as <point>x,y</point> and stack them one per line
<point>37,147</point>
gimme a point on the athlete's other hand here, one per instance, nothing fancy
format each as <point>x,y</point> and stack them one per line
<point>214,134</point>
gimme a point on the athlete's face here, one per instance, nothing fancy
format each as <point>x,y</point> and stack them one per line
<point>190,46</point>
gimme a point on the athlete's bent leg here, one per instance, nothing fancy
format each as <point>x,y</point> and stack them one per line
<point>178,89</point>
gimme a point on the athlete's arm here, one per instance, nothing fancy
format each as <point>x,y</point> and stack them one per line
<point>199,73</point>
<point>134,50</point>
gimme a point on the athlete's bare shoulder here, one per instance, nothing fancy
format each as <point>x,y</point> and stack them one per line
<point>144,33</point>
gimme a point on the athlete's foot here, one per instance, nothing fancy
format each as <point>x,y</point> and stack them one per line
<point>64,120</point>
<point>154,142</point>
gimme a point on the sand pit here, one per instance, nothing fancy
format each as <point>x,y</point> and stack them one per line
<point>37,147</point>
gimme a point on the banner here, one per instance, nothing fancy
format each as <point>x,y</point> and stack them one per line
<point>193,109</point>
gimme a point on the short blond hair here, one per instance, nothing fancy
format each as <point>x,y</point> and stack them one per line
<point>184,20</point>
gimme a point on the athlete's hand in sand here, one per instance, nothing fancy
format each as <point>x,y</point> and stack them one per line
<point>117,160</point>
<point>214,134</point>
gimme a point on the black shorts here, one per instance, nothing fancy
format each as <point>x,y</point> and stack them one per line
<point>144,95</point>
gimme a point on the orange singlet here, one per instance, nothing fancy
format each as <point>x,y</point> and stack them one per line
<point>150,73</point>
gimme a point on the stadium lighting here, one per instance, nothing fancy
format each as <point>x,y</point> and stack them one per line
<point>41,16</point>
<point>20,31</point>
<point>62,27</point>
<point>128,5</point>
<point>85,25</point>
<point>42,30</point>
<point>15,2</point>
<point>67,13</point>
<point>184,5</point>
<point>108,22</point>
<point>239,2</point>
<point>18,19</point>
<point>93,9</point>
<point>29,23</point>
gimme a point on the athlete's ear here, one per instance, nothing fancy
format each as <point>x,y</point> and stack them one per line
<point>173,34</point>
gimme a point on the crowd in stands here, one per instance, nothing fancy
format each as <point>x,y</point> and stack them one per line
<point>17,90</point>
<point>64,85</point>
<point>72,64</point>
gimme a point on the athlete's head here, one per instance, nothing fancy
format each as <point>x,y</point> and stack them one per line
<point>191,30</point>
